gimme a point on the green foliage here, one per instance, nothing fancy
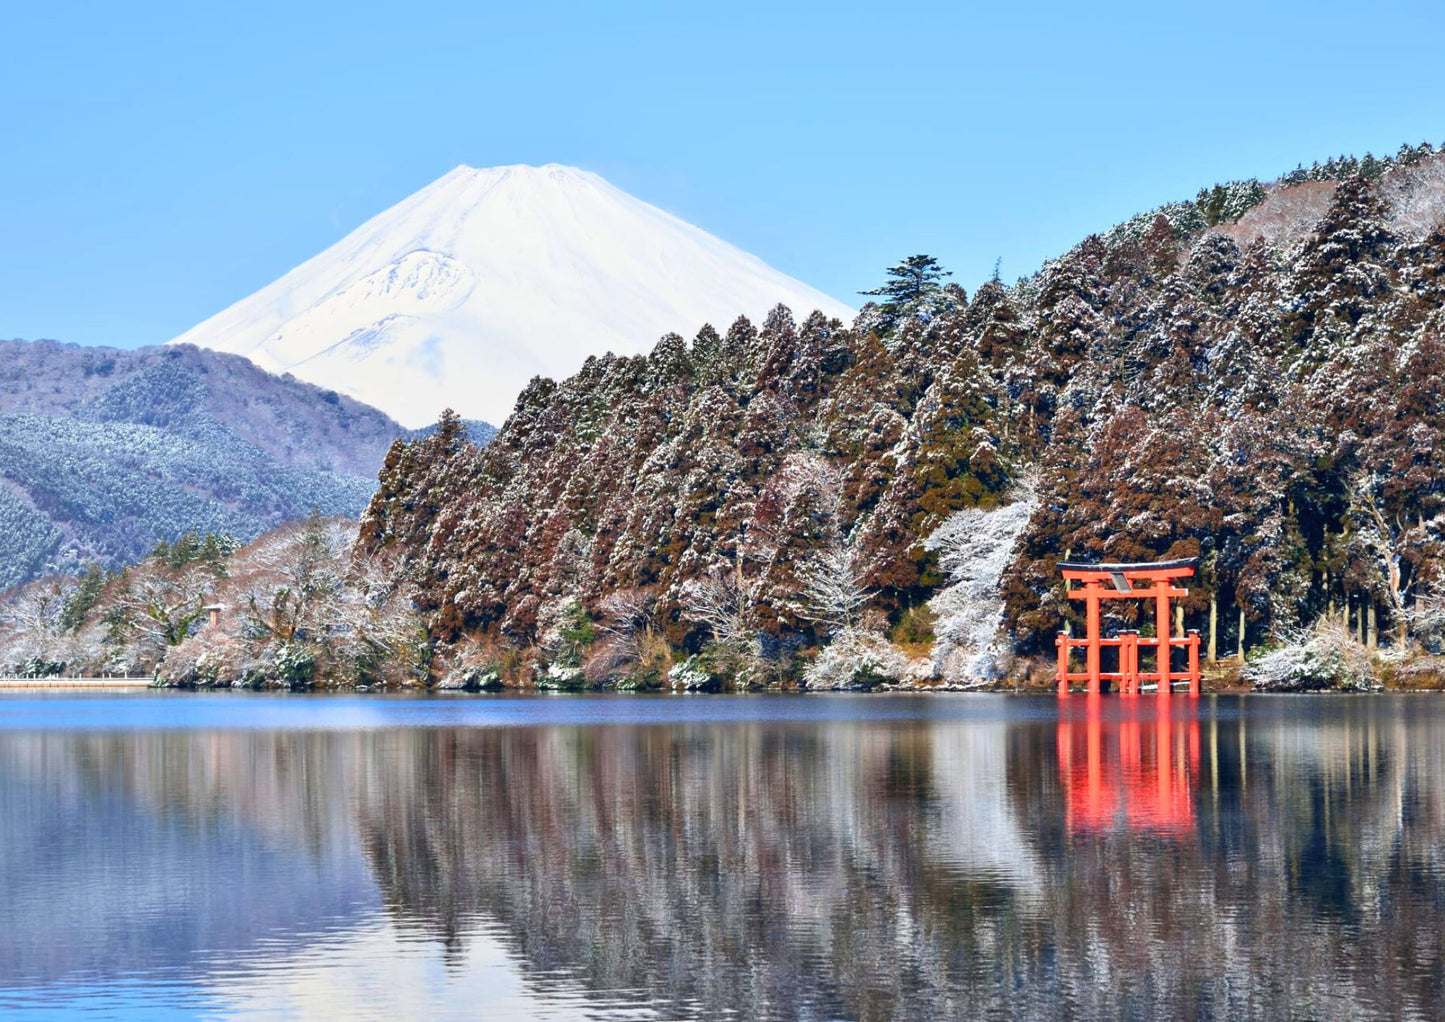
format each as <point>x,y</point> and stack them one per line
<point>1370,167</point>
<point>915,279</point>
<point>914,288</point>
<point>295,664</point>
<point>700,672</point>
<point>578,630</point>
<point>41,667</point>
<point>210,551</point>
<point>957,463</point>
<point>1184,220</point>
<point>1228,202</point>
<point>83,599</point>
<point>647,677</point>
<point>914,627</point>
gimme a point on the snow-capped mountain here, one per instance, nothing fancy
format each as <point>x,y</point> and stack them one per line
<point>460,294</point>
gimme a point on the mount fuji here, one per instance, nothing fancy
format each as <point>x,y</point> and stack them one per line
<point>459,295</point>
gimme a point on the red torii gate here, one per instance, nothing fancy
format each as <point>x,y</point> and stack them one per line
<point>1120,579</point>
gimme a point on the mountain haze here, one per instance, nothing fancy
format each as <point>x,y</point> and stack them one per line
<point>462,293</point>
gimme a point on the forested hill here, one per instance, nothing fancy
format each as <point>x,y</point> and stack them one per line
<point>1254,378</point>
<point>105,451</point>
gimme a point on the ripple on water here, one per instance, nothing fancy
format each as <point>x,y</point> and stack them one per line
<point>731,858</point>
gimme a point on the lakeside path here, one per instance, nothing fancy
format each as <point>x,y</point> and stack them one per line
<point>92,684</point>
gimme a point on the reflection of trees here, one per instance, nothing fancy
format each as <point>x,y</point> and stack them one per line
<point>1304,886</point>
<point>287,787</point>
<point>924,871</point>
<point>901,869</point>
<point>128,852</point>
<point>759,869</point>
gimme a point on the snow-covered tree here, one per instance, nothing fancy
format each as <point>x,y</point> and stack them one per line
<point>914,289</point>
<point>832,588</point>
<point>975,547</point>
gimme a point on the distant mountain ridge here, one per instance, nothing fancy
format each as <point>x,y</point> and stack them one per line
<point>103,451</point>
<point>459,295</point>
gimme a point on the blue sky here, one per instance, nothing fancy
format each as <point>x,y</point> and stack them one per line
<point>158,162</point>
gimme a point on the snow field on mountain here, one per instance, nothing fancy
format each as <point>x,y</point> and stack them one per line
<point>459,295</point>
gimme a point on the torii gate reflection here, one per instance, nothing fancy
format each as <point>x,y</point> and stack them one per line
<point>1129,767</point>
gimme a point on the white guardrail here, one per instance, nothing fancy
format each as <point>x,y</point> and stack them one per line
<point>16,681</point>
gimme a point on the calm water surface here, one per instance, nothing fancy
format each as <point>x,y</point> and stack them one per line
<point>766,857</point>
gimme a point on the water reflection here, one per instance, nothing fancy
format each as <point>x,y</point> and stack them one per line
<point>1139,774</point>
<point>1212,859</point>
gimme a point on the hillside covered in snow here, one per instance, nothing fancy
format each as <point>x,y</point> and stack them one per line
<point>1254,378</point>
<point>105,451</point>
<point>461,294</point>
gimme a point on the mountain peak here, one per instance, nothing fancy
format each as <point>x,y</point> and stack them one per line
<point>458,295</point>
<point>552,171</point>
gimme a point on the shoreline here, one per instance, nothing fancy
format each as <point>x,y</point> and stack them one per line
<point>25,686</point>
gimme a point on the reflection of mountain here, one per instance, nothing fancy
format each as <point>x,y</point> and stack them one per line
<point>856,869</point>
<point>145,850</point>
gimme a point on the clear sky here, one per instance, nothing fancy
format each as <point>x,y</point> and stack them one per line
<point>158,162</point>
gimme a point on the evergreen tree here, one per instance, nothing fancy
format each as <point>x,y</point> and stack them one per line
<point>914,287</point>
<point>83,599</point>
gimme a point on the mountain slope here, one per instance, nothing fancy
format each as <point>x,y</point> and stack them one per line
<point>1258,385</point>
<point>459,295</point>
<point>104,451</point>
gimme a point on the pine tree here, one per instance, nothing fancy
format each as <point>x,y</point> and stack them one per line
<point>914,288</point>
<point>1345,267</point>
<point>83,599</point>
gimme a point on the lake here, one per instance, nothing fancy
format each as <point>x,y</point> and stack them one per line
<point>815,857</point>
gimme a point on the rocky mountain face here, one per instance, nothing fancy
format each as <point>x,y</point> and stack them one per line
<point>1253,378</point>
<point>105,451</point>
<point>462,293</point>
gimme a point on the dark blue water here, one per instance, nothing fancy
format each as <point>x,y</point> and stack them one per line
<point>819,857</point>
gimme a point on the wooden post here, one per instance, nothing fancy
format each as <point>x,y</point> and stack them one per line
<point>1194,662</point>
<point>1161,631</point>
<point>1133,662</point>
<point>1214,627</point>
<point>1068,625</point>
<point>1062,641</point>
<point>1091,603</point>
<point>1241,633</point>
<point>1129,663</point>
